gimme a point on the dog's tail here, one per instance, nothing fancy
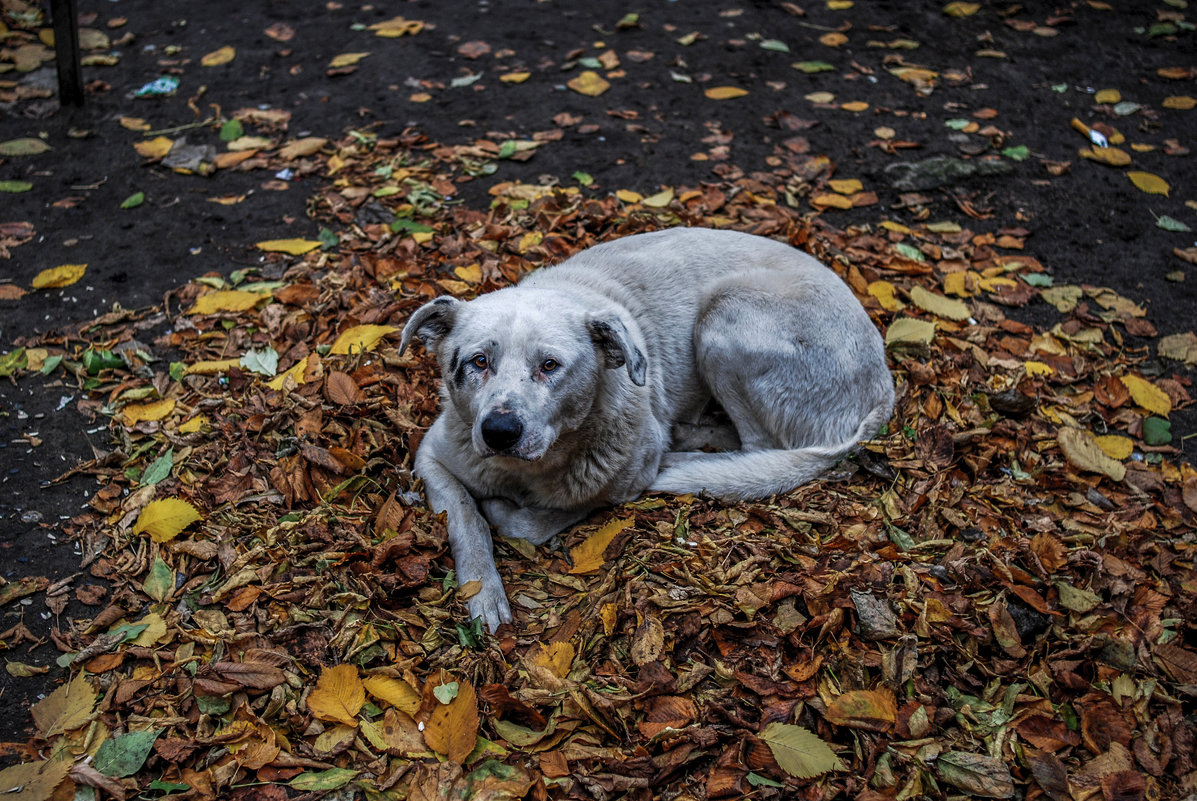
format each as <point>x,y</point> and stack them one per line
<point>753,475</point>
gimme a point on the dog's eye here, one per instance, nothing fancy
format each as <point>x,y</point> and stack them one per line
<point>549,365</point>
<point>480,361</point>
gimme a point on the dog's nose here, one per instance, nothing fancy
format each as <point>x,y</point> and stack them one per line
<point>501,430</point>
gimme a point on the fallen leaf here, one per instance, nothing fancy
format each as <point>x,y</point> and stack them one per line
<point>798,751</point>
<point>909,331</point>
<point>589,83</point>
<point>134,413</point>
<point>874,710</point>
<point>588,556</point>
<point>346,60</point>
<point>295,247</point>
<point>452,728</point>
<point>1149,183</point>
<point>1082,452</point>
<point>1147,395</point>
<point>217,57</point>
<point>976,774</point>
<point>59,277</point>
<point>227,300</point>
<point>338,695</point>
<point>67,708</point>
<point>396,692</point>
<point>940,306</point>
<point>725,92</point>
<point>23,147</point>
<point>165,519</point>
<point>361,338</point>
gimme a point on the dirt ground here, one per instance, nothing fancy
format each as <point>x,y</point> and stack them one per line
<point>1006,84</point>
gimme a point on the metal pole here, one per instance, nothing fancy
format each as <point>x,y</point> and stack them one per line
<point>66,52</point>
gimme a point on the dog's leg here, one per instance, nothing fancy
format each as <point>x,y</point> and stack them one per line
<point>469,534</point>
<point>537,526</point>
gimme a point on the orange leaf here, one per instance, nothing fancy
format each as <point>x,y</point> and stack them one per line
<point>588,556</point>
<point>452,728</point>
<point>725,92</point>
<point>338,696</point>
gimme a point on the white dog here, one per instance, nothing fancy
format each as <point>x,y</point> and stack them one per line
<point>584,386</point>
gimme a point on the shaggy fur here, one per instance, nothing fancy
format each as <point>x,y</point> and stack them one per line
<point>586,384</point>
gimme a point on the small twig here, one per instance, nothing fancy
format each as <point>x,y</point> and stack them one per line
<point>181,128</point>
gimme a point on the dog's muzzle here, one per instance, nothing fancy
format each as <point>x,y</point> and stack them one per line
<point>501,431</point>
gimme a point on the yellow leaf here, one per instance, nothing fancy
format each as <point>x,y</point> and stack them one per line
<point>155,630</point>
<point>346,60</point>
<point>1108,96</point>
<point>628,196</point>
<point>222,300</point>
<point>1147,395</point>
<point>1115,157</point>
<point>1034,368</point>
<point>589,83</point>
<point>297,371</point>
<point>1082,452</point>
<point>609,614</point>
<point>396,27</point>
<point>588,556</point>
<point>660,200</point>
<point>874,710</point>
<point>213,367</point>
<point>515,77</point>
<point>338,696</point>
<point>295,247</point>
<point>1179,102</point>
<point>33,781</point>
<point>134,413</point>
<point>939,305</point>
<point>1115,446</point>
<point>529,241</point>
<point>958,283</point>
<point>194,424</point>
<point>833,39</point>
<point>58,277</point>
<point>855,105</point>
<point>217,57</point>
<point>909,331</point>
<point>67,708</point>
<point>725,92</point>
<point>165,519</point>
<point>846,186</point>
<point>555,657</point>
<point>308,146</point>
<point>134,124</point>
<point>361,337</point>
<point>890,225</point>
<point>1149,183</point>
<point>396,692</point>
<point>452,728</point>
<point>471,273</point>
<point>961,9</point>
<point>820,97</point>
<point>825,200</point>
<point>886,295</point>
<point>839,5</point>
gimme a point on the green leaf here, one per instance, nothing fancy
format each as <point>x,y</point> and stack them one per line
<point>798,751</point>
<point>1074,599</point>
<point>958,124</point>
<point>159,469</point>
<point>1171,224</point>
<point>757,780</point>
<point>231,130</point>
<point>15,186</point>
<point>23,147</point>
<point>776,45</point>
<point>1157,431</point>
<point>409,226</point>
<point>331,779</point>
<point>178,370</point>
<point>211,705</point>
<point>1018,153</point>
<point>811,67</point>
<point>13,361</point>
<point>910,251</point>
<point>262,362</point>
<point>584,178</point>
<point>1041,280</point>
<point>168,787</point>
<point>445,693</point>
<point>328,239</point>
<point>96,360</point>
<point>160,581</point>
<point>133,201</point>
<point>508,149</point>
<point>124,754</point>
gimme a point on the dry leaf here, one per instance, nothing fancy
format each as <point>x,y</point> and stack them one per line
<point>1149,183</point>
<point>725,92</point>
<point>1147,395</point>
<point>588,556</point>
<point>134,413</point>
<point>1082,452</point>
<point>452,728</point>
<point>874,710</point>
<point>589,83</point>
<point>217,57</point>
<point>227,300</point>
<point>67,708</point>
<point>338,696</point>
<point>58,277</point>
<point>361,338</point>
<point>165,519</point>
<point>396,692</point>
<point>295,247</point>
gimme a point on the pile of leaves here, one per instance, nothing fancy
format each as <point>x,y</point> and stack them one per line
<point>996,597</point>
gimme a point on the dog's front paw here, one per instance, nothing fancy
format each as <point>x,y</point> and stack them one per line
<point>490,602</point>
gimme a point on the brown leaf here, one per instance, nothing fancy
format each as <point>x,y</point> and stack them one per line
<point>257,675</point>
<point>874,710</point>
<point>666,712</point>
<point>341,389</point>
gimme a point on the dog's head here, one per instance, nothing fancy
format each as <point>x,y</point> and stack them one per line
<point>523,366</point>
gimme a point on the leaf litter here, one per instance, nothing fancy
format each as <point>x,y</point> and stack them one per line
<point>993,598</point>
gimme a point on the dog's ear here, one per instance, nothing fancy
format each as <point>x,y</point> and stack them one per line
<point>617,346</point>
<point>430,323</point>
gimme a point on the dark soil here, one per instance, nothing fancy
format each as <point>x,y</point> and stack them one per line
<point>1089,225</point>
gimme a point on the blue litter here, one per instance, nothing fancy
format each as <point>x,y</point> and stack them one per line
<point>161,87</point>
